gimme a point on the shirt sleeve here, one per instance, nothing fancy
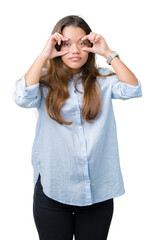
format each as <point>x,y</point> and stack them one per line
<point>27,97</point>
<point>124,91</point>
<point>121,90</point>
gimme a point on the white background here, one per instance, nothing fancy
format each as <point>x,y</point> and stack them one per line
<point>129,28</point>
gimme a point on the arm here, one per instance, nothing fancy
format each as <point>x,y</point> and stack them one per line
<point>101,47</point>
<point>33,74</point>
<point>122,71</point>
<point>27,93</point>
<point>124,84</point>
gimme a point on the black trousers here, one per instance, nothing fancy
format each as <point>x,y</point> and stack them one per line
<point>58,221</point>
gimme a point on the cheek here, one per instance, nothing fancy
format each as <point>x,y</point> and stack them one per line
<point>85,56</point>
<point>64,58</point>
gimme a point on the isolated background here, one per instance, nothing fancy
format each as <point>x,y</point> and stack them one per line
<point>129,29</point>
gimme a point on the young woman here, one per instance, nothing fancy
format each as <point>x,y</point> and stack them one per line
<point>75,154</point>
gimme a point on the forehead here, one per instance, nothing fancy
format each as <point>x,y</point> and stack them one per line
<point>73,33</point>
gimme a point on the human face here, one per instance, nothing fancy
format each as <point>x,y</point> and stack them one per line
<point>76,57</point>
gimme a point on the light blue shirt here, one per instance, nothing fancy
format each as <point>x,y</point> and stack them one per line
<point>79,163</point>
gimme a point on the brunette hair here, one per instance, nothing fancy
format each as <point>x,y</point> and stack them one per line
<point>56,79</point>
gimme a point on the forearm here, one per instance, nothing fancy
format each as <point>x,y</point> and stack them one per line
<point>123,73</point>
<point>33,74</point>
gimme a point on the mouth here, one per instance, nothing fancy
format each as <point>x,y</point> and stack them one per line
<point>75,58</point>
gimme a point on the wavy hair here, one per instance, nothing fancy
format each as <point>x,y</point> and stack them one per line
<point>57,76</point>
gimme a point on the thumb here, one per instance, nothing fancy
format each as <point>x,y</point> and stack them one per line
<point>61,53</point>
<point>88,49</point>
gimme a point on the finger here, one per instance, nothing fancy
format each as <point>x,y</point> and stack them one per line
<point>54,38</point>
<point>61,53</point>
<point>88,49</point>
<point>97,38</point>
<point>62,37</point>
<point>57,34</point>
<point>85,37</point>
<point>58,37</point>
<point>92,37</point>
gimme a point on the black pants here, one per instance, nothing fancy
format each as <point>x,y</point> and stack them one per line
<point>58,221</point>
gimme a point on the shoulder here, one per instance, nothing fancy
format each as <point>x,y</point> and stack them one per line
<point>44,88</point>
<point>105,71</point>
<point>44,70</point>
<point>106,81</point>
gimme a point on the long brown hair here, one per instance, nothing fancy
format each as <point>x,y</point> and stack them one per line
<point>56,79</point>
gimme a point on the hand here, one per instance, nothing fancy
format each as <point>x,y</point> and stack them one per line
<point>99,44</point>
<point>49,50</point>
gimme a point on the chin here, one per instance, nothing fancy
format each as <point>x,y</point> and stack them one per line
<point>75,65</point>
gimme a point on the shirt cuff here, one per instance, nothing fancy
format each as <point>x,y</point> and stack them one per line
<point>125,90</point>
<point>131,90</point>
<point>27,92</point>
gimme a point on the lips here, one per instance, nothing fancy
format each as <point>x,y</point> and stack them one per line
<point>75,58</point>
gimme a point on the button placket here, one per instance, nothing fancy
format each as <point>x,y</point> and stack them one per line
<point>83,148</point>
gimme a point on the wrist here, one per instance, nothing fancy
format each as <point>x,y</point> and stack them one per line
<point>107,53</point>
<point>42,58</point>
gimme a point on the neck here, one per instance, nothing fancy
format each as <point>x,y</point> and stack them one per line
<point>75,71</point>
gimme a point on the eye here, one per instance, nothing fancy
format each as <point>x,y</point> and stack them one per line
<point>66,44</point>
<point>81,43</point>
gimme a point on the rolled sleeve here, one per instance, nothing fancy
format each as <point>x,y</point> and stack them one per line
<point>27,97</point>
<point>121,90</point>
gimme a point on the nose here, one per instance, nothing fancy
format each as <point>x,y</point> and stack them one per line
<point>75,48</point>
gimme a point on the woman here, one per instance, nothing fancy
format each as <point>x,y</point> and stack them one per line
<point>75,154</point>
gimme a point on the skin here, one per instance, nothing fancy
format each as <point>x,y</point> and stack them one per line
<point>80,48</point>
<point>74,46</point>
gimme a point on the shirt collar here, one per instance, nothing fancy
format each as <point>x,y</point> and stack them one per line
<point>75,76</point>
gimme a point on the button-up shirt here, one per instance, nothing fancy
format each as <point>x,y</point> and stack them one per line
<point>79,163</point>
